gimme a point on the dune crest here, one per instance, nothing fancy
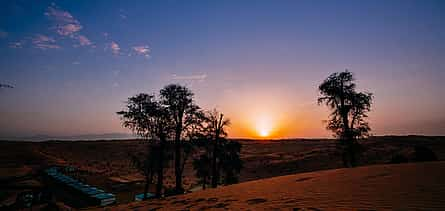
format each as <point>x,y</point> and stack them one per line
<point>410,186</point>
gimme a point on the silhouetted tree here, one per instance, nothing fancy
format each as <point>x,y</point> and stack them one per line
<point>349,110</point>
<point>179,102</point>
<point>230,163</point>
<point>202,167</point>
<point>423,153</point>
<point>419,153</point>
<point>149,119</point>
<point>215,131</point>
<point>147,165</point>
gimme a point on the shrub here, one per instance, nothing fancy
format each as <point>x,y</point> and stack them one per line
<point>423,154</point>
<point>398,158</point>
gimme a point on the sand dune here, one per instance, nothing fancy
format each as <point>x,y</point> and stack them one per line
<point>262,159</point>
<point>414,186</point>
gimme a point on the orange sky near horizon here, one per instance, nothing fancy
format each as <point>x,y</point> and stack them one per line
<point>258,62</point>
<point>268,111</point>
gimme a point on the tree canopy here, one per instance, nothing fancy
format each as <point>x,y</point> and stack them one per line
<point>349,110</point>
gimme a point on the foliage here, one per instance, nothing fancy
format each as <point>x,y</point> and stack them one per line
<point>147,165</point>
<point>339,94</point>
<point>185,115</point>
<point>175,117</point>
<point>146,117</point>
<point>423,154</point>
<point>215,124</point>
<point>220,161</point>
<point>149,119</point>
<point>202,168</point>
<point>349,109</point>
<point>230,163</point>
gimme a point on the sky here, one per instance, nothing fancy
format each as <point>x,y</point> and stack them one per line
<point>74,63</point>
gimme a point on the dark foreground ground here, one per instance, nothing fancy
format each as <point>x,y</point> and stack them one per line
<point>106,164</point>
<point>412,186</point>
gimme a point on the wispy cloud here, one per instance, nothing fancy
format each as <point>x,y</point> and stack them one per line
<point>64,24</point>
<point>6,86</point>
<point>3,34</point>
<point>200,77</point>
<point>83,41</point>
<point>44,42</point>
<point>68,29</point>
<point>116,72</point>
<point>43,38</point>
<point>60,15</point>
<point>115,49</point>
<point>122,14</point>
<point>18,44</point>
<point>67,25</point>
<point>76,63</point>
<point>39,41</point>
<point>142,50</point>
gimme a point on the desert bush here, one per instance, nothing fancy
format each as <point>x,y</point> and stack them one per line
<point>423,153</point>
<point>417,154</point>
<point>399,158</point>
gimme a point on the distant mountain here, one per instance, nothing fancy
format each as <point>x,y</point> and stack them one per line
<point>43,137</point>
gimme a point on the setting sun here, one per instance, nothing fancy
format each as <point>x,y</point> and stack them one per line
<point>264,133</point>
<point>307,105</point>
<point>263,126</point>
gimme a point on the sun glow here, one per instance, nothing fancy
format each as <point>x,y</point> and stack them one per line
<point>264,133</point>
<point>263,126</point>
<point>261,113</point>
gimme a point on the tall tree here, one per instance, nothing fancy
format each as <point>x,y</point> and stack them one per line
<point>216,124</point>
<point>147,165</point>
<point>151,120</point>
<point>230,163</point>
<point>179,102</point>
<point>349,110</point>
<point>220,160</point>
<point>202,168</point>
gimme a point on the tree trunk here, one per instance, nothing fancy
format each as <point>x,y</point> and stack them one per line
<point>146,187</point>
<point>345,158</point>
<point>204,183</point>
<point>353,152</point>
<point>178,173</point>
<point>347,138</point>
<point>347,141</point>
<point>148,173</point>
<point>160,183</point>
<point>214,168</point>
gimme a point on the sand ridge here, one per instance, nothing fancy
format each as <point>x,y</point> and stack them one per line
<point>413,186</point>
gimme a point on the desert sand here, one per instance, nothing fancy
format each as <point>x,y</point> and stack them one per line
<point>414,186</point>
<point>104,163</point>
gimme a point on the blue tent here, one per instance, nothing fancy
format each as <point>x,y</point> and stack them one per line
<point>105,198</point>
<point>140,197</point>
<point>96,194</point>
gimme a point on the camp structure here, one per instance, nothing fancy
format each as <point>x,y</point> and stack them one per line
<point>92,194</point>
<point>140,197</point>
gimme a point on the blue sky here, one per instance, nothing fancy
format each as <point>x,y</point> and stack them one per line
<point>73,63</point>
